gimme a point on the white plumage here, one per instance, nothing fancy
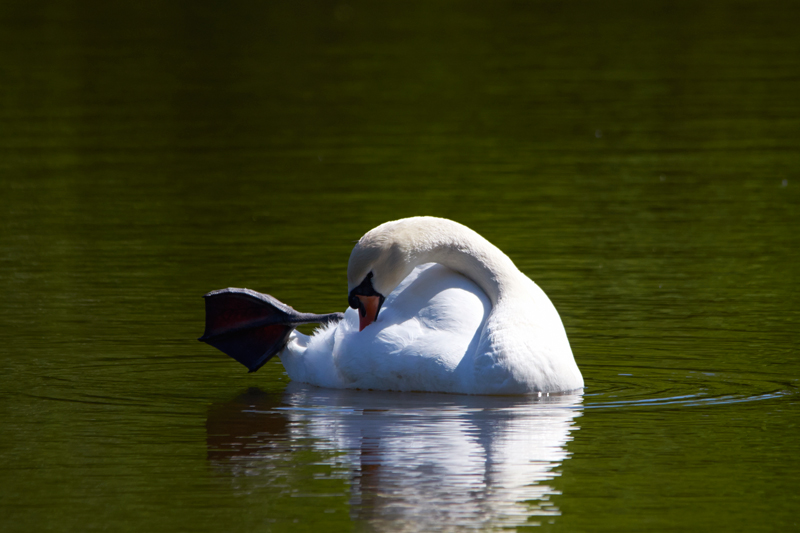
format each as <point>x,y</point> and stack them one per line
<point>458,317</point>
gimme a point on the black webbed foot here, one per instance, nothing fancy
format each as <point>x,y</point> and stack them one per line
<point>252,327</point>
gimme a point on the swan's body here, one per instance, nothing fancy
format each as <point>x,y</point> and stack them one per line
<point>472,324</point>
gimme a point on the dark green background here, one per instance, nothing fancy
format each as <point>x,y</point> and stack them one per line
<point>639,160</point>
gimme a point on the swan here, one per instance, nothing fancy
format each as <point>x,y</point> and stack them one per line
<point>433,306</point>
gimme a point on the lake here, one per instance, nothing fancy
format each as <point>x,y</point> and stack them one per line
<point>639,161</point>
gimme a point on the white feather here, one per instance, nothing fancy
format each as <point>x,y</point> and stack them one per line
<point>489,331</point>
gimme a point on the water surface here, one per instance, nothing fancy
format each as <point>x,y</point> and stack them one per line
<point>637,161</point>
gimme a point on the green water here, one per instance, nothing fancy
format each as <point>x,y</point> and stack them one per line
<point>638,160</point>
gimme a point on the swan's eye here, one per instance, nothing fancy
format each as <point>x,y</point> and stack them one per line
<point>356,303</point>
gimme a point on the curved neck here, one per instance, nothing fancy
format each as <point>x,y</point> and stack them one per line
<point>465,251</point>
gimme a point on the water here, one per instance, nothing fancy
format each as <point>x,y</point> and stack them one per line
<point>399,461</point>
<point>638,161</point>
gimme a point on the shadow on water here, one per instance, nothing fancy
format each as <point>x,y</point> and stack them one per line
<point>410,459</point>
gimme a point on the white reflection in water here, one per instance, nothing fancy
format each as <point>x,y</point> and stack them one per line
<point>425,460</point>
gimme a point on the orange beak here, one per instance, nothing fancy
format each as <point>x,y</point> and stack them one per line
<point>368,310</point>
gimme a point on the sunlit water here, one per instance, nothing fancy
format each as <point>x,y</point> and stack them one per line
<point>639,161</point>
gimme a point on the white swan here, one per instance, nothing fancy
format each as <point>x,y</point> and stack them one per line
<point>434,307</point>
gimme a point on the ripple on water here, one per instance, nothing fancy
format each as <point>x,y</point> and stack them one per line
<point>413,461</point>
<point>654,388</point>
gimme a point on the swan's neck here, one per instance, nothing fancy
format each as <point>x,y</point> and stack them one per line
<point>465,251</point>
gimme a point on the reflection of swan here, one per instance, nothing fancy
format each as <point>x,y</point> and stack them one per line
<point>473,324</point>
<point>414,461</point>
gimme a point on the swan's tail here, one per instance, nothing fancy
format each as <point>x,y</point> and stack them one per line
<point>252,327</point>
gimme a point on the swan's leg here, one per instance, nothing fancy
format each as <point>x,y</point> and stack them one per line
<point>252,327</point>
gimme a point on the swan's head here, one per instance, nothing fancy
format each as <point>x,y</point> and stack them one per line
<point>378,263</point>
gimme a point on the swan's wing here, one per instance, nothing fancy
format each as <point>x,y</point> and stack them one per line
<point>252,327</point>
